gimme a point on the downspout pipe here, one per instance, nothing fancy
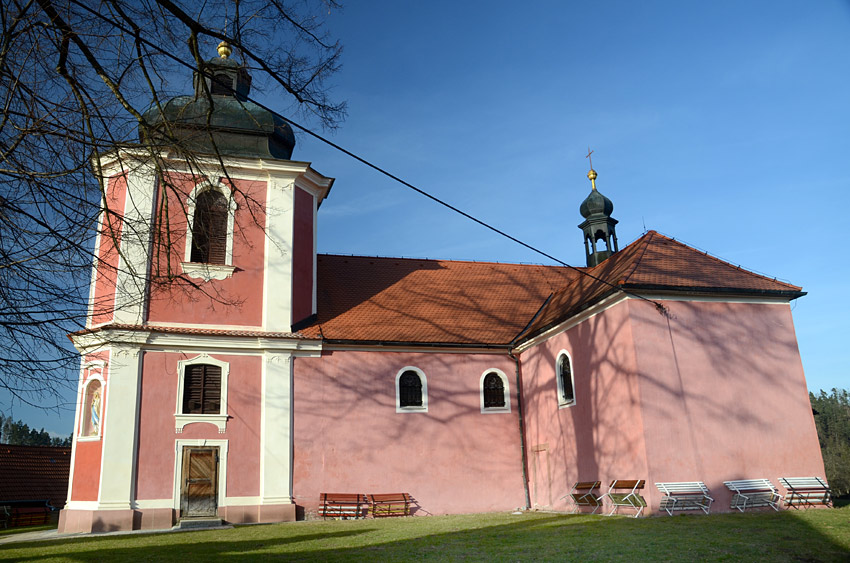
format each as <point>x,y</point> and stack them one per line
<point>522,447</point>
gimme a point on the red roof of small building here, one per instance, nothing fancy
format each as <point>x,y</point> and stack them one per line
<point>443,302</point>
<point>34,473</point>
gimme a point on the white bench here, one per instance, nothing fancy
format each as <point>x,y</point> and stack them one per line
<point>805,491</point>
<point>690,495</point>
<point>753,493</point>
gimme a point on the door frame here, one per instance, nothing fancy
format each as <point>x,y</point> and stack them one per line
<point>221,492</point>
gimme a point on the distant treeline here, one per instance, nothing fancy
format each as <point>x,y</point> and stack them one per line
<point>832,418</point>
<point>17,433</point>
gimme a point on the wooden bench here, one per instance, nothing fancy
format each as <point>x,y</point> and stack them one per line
<point>753,493</point>
<point>583,495</point>
<point>342,505</point>
<point>25,513</point>
<point>630,499</point>
<point>806,491</point>
<point>390,504</point>
<point>686,495</point>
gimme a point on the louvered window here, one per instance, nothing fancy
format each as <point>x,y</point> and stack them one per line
<point>202,389</point>
<point>410,389</point>
<point>494,391</point>
<point>565,378</point>
<point>209,228</point>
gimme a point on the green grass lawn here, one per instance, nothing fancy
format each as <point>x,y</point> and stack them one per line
<point>814,535</point>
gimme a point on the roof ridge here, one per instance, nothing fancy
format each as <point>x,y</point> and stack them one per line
<point>648,239</point>
<point>729,264</point>
<point>447,260</point>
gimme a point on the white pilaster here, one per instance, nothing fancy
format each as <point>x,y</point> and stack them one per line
<point>277,316</point>
<point>133,264</point>
<point>119,429</point>
<point>276,430</point>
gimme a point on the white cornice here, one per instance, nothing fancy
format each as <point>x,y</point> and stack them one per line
<point>412,348</point>
<point>152,340</point>
<point>242,168</point>
<point>588,313</point>
<point>714,298</point>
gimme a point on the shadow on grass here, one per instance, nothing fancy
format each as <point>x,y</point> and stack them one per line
<point>24,529</point>
<point>818,535</point>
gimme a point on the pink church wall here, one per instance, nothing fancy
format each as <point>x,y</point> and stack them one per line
<point>348,436</point>
<point>600,437</point>
<point>107,253</point>
<point>233,301</point>
<point>723,395</point>
<point>303,252</point>
<point>157,435</point>
<point>88,453</point>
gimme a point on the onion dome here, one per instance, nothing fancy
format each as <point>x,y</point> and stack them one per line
<point>595,203</point>
<point>598,227</point>
<point>219,118</point>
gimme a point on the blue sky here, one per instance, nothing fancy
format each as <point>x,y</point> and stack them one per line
<point>722,124</point>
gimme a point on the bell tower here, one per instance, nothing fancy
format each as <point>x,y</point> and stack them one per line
<point>600,236</point>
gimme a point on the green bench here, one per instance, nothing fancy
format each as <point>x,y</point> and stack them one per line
<point>583,495</point>
<point>622,493</point>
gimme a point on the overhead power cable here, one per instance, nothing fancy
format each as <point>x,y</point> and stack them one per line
<point>659,306</point>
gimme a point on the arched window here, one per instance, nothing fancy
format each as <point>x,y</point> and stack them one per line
<point>566,392</point>
<point>209,228</point>
<point>494,391</point>
<point>202,389</point>
<point>411,390</point>
<point>91,415</point>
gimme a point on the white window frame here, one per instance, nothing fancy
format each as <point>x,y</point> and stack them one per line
<point>423,380</point>
<point>94,372</point>
<point>204,271</point>
<point>562,403</point>
<point>220,419</point>
<point>507,391</point>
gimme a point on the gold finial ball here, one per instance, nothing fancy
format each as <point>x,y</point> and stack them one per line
<point>224,49</point>
<point>591,175</point>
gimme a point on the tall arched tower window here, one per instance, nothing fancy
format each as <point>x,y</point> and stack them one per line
<point>566,389</point>
<point>209,228</point>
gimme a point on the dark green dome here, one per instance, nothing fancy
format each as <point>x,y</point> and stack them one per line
<point>234,127</point>
<point>596,204</point>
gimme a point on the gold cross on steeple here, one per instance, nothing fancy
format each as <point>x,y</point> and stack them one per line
<point>592,174</point>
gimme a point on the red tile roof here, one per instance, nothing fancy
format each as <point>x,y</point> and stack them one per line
<point>429,301</point>
<point>34,473</point>
<point>394,300</point>
<point>657,263</point>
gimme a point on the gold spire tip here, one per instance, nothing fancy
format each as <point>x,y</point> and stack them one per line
<point>592,177</point>
<point>224,49</point>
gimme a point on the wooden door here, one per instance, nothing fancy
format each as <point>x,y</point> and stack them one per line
<point>200,478</point>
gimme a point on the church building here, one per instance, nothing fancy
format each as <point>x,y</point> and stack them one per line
<point>235,372</point>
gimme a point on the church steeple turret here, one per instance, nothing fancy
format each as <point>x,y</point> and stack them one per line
<point>600,236</point>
